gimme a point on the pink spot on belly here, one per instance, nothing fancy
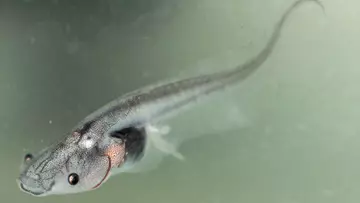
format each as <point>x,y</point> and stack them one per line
<point>116,153</point>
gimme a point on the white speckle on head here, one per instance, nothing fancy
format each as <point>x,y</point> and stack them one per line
<point>87,143</point>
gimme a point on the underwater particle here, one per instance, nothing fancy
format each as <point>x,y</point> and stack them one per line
<point>68,28</point>
<point>32,40</point>
<point>327,193</point>
<point>50,122</point>
<point>73,47</point>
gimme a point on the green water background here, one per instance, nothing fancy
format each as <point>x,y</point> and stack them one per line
<point>289,134</point>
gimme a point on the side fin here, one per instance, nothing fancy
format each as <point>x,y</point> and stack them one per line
<point>156,138</point>
<point>156,148</point>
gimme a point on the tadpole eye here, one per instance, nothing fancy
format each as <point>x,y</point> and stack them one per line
<point>73,179</point>
<point>28,157</point>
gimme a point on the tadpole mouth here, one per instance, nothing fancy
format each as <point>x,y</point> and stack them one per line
<point>28,190</point>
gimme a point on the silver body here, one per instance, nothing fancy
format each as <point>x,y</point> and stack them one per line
<point>81,152</point>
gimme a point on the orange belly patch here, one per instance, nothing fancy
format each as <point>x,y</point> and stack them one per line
<point>116,153</point>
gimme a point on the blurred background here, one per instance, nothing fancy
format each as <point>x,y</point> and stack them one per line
<point>288,134</point>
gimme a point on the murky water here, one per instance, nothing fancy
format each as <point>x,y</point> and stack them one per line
<point>289,134</point>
